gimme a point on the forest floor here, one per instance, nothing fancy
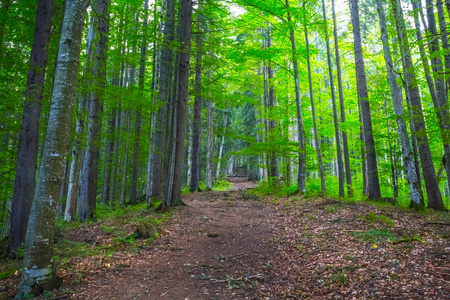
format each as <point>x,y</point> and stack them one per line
<point>238,245</point>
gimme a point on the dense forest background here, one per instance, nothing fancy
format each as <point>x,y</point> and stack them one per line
<point>117,102</point>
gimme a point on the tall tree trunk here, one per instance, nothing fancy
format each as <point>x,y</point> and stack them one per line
<point>444,38</point>
<point>197,125</point>
<point>333,99</point>
<point>432,186</point>
<point>313,109</point>
<point>363,98</point>
<point>138,121</point>
<point>273,165</point>
<point>24,182</point>
<point>38,270</point>
<point>160,133</point>
<point>396,95</point>
<point>180,116</point>
<point>155,84</point>
<point>209,143</point>
<point>225,121</point>
<point>107,170</point>
<point>301,132</point>
<point>88,192</point>
<point>348,172</point>
<point>441,105</point>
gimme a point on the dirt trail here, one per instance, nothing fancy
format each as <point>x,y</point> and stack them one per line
<point>218,247</point>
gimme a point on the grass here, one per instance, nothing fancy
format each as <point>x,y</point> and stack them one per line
<point>375,235</point>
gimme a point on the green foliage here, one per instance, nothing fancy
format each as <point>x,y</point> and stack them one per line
<point>371,217</point>
<point>375,235</point>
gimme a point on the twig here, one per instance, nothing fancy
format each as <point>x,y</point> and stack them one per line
<point>309,252</point>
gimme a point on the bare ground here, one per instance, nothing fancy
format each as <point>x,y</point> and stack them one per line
<point>231,245</point>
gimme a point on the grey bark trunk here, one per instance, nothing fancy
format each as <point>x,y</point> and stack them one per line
<point>273,164</point>
<point>441,105</point>
<point>88,191</point>
<point>432,186</point>
<point>195,167</point>
<point>372,169</point>
<point>396,95</point>
<point>340,163</point>
<point>160,132</point>
<point>180,116</point>
<point>225,120</point>
<point>209,144</point>
<point>301,132</point>
<point>313,109</point>
<point>24,182</point>
<point>348,172</point>
<point>38,270</point>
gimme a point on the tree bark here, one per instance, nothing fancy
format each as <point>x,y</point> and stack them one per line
<point>160,133</point>
<point>313,109</point>
<point>396,95</point>
<point>432,186</point>
<point>335,117</point>
<point>372,169</point>
<point>209,144</point>
<point>88,191</point>
<point>38,270</point>
<point>301,132</point>
<point>197,131</point>
<point>348,172</point>
<point>225,120</point>
<point>24,182</point>
<point>180,116</point>
<point>273,164</point>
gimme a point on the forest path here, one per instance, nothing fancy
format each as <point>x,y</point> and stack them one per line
<point>217,247</point>
<point>235,245</point>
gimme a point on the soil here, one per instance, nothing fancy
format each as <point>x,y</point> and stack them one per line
<point>235,245</point>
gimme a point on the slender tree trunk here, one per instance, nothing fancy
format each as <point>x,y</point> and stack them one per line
<point>38,270</point>
<point>107,170</point>
<point>197,131</point>
<point>88,192</point>
<point>180,116</point>
<point>209,143</point>
<point>348,172</point>
<point>273,166</point>
<point>160,135</point>
<point>432,186</point>
<point>333,99</point>
<point>301,132</point>
<point>396,95</point>
<point>372,169</point>
<point>24,182</point>
<point>444,38</point>
<point>313,109</point>
<point>225,121</point>
<point>441,105</point>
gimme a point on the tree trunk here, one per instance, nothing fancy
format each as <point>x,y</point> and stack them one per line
<point>197,131</point>
<point>335,117</point>
<point>209,144</point>
<point>4,17</point>
<point>348,172</point>
<point>396,95</point>
<point>108,168</point>
<point>273,164</point>
<point>38,270</point>
<point>372,169</point>
<point>225,119</point>
<point>160,133</point>
<point>88,191</point>
<point>441,105</point>
<point>301,132</point>
<point>180,116</point>
<point>432,186</point>
<point>313,109</point>
<point>24,182</point>
<point>444,38</point>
